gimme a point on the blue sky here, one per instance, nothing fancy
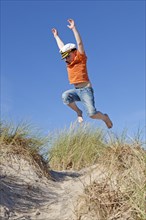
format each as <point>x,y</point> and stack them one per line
<point>33,76</point>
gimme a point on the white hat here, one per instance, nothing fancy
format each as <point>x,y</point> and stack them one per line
<point>66,49</point>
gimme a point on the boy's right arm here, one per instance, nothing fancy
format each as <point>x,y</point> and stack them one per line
<point>57,38</point>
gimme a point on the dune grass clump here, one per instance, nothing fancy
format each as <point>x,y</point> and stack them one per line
<point>121,194</point>
<point>76,147</point>
<point>20,140</point>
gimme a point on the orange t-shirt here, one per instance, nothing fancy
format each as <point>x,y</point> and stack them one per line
<point>77,70</point>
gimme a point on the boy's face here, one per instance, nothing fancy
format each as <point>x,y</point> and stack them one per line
<point>70,57</point>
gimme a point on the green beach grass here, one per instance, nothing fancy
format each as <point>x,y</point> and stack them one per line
<point>119,196</point>
<point>24,140</point>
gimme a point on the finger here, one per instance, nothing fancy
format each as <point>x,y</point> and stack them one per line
<point>69,20</point>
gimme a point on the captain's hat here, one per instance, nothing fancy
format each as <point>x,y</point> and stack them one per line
<point>66,49</point>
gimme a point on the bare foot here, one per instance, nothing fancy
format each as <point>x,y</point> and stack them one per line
<point>80,117</point>
<point>108,121</point>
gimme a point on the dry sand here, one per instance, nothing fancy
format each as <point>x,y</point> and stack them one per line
<point>26,194</point>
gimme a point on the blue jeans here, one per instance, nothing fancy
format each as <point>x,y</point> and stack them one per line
<point>85,95</point>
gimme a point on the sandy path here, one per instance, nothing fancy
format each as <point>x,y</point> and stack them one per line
<point>28,195</point>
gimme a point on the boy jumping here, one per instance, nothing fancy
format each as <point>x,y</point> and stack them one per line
<point>76,60</point>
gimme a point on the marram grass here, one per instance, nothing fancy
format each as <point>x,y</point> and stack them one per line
<point>119,196</point>
<point>24,141</point>
<point>76,147</point>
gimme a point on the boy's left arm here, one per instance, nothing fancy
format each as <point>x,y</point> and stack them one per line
<point>77,35</point>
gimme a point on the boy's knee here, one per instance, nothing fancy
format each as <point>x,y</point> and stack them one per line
<point>64,95</point>
<point>66,98</point>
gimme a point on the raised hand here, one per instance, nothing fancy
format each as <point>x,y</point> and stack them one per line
<point>55,32</point>
<point>71,23</point>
